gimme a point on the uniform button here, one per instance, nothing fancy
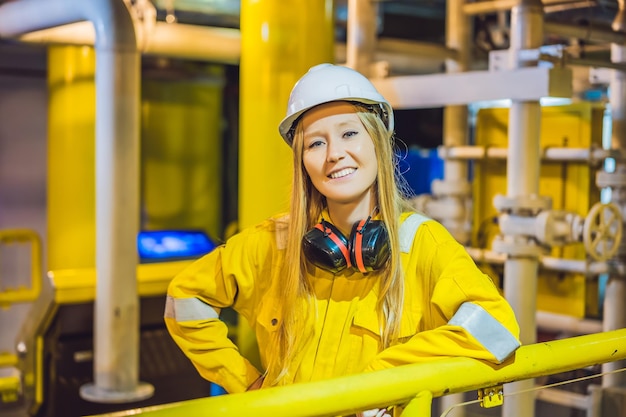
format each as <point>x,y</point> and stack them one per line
<point>274,322</point>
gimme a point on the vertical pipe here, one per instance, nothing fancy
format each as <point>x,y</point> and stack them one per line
<point>520,273</point>
<point>615,296</point>
<point>117,177</point>
<point>279,44</point>
<point>455,121</point>
<point>419,406</point>
<point>361,39</point>
<point>116,309</point>
<point>117,209</point>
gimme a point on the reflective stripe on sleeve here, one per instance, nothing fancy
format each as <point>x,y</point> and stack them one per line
<point>487,330</point>
<point>187,309</point>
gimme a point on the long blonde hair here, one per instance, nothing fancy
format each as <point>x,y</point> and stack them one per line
<point>306,207</point>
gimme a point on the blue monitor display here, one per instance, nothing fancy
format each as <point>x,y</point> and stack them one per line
<point>162,245</point>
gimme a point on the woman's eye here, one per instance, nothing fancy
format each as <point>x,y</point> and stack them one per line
<point>315,144</point>
<point>350,133</point>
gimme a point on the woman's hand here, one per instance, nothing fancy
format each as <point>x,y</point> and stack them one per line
<point>374,413</point>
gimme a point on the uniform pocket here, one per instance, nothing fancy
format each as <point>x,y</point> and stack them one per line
<point>366,319</point>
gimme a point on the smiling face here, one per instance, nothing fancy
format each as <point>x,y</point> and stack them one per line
<point>339,155</point>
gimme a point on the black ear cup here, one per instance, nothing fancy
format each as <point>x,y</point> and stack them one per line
<point>369,245</point>
<point>367,248</point>
<point>326,247</point>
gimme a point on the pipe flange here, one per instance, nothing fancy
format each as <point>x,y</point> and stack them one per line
<point>532,203</point>
<point>451,188</point>
<point>525,249</point>
<point>610,179</point>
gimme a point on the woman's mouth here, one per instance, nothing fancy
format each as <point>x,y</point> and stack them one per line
<point>342,173</point>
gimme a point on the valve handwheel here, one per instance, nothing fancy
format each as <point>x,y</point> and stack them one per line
<point>602,231</point>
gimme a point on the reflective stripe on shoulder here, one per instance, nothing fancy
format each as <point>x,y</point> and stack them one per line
<point>188,309</point>
<point>486,329</point>
<point>408,228</point>
<point>282,229</point>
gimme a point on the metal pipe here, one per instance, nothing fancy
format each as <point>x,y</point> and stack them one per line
<point>564,398</point>
<point>563,323</point>
<point>455,127</point>
<point>548,154</point>
<point>420,405</point>
<point>223,45</point>
<point>361,38</point>
<point>614,318</point>
<point>585,33</point>
<point>491,6</point>
<point>520,273</point>
<point>520,285</point>
<point>548,262</point>
<point>163,39</point>
<point>399,385</point>
<point>116,307</point>
<point>614,305</point>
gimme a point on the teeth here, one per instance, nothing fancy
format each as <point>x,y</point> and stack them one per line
<point>342,173</point>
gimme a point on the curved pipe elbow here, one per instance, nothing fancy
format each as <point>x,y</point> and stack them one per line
<point>112,21</point>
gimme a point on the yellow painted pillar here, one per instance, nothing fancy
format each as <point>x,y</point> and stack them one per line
<point>280,41</point>
<point>71,157</point>
<point>181,152</point>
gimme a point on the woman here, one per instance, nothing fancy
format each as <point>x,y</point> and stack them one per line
<point>351,280</point>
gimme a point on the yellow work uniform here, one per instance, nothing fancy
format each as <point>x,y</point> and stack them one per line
<point>450,308</point>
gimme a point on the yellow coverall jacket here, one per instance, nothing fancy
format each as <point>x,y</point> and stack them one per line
<point>450,309</point>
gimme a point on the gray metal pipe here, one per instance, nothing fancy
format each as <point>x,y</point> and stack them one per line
<point>521,273</point>
<point>116,306</point>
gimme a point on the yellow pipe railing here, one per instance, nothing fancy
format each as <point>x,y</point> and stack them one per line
<point>23,294</point>
<point>414,385</point>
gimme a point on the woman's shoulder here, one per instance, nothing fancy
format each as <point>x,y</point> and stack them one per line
<point>413,224</point>
<point>272,229</point>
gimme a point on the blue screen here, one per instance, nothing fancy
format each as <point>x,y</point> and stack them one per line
<point>173,244</point>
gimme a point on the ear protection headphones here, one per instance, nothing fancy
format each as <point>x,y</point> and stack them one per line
<point>366,249</point>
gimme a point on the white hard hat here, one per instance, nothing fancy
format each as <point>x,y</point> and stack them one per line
<point>324,83</point>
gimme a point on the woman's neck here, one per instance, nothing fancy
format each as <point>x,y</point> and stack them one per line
<point>343,216</point>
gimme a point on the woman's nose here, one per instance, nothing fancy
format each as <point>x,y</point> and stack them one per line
<point>335,151</point>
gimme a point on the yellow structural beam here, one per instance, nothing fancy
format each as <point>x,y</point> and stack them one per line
<point>79,285</point>
<point>404,384</point>
<point>71,239</point>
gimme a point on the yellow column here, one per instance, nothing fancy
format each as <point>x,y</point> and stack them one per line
<point>182,150</point>
<point>279,42</point>
<point>71,164</point>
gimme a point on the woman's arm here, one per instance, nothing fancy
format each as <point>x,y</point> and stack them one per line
<point>464,315</point>
<point>195,297</point>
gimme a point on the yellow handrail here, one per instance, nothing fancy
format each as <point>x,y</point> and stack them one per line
<point>400,385</point>
<point>23,294</point>
<point>9,384</point>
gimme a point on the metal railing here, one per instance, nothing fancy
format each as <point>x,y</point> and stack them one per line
<point>413,386</point>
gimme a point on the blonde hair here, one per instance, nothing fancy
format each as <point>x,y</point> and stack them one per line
<point>306,207</point>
